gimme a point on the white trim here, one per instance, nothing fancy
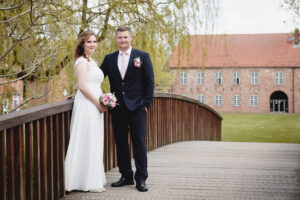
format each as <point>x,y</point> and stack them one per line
<point>254,78</point>
<point>200,78</point>
<point>278,78</point>
<point>236,100</point>
<point>218,78</point>
<point>253,100</point>
<point>236,78</point>
<point>218,100</point>
<point>201,98</point>
<point>183,78</point>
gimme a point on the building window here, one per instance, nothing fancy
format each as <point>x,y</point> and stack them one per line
<point>200,78</point>
<point>236,100</point>
<point>218,78</point>
<point>253,100</point>
<point>5,106</point>
<point>254,78</point>
<point>16,101</point>
<point>236,78</point>
<point>183,77</point>
<point>218,100</point>
<point>201,98</point>
<point>278,78</point>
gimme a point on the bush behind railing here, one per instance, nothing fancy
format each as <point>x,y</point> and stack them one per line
<point>34,141</point>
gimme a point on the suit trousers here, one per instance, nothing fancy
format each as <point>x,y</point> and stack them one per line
<point>124,120</point>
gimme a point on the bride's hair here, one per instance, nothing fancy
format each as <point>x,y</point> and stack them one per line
<point>79,50</point>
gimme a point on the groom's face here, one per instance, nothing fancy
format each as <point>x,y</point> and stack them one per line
<point>123,40</point>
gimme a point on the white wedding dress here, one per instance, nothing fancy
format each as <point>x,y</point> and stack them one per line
<point>84,168</point>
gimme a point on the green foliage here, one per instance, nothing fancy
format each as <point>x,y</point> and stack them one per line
<point>284,128</point>
<point>39,36</point>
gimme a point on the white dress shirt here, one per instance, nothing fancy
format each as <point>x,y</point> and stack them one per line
<point>127,56</point>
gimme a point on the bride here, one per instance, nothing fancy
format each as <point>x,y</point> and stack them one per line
<point>84,168</point>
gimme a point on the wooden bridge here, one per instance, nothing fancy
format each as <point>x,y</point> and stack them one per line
<point>33,143</point>
<point>207,170</point>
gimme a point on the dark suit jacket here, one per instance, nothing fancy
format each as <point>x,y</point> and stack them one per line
<point>138,85</point>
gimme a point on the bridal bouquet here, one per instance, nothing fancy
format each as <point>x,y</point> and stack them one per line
<point>108,99</point>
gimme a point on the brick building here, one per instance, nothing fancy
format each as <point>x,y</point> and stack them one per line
<point>11,95</point>
<point>240,73</point>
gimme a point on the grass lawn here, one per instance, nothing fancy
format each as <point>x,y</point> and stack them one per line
<point>283,128</point>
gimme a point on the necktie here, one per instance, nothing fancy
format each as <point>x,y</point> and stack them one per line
<point>123,65</point>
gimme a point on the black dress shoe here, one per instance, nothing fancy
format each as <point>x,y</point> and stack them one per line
<point>123,181</point>
<point>141,186</point>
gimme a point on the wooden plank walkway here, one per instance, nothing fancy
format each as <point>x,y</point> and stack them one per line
<point>214,170</point>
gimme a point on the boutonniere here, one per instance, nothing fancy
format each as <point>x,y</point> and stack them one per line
<point>137,62</point>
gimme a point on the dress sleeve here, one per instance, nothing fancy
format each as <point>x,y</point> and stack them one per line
<point>79,60</point>
<point>104,66</point>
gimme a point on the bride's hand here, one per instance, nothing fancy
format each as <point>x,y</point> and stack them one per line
<point>100,107</point>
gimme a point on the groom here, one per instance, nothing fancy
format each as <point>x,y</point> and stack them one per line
<point>130,74</point>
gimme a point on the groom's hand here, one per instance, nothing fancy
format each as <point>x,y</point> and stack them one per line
<point>72,96</point>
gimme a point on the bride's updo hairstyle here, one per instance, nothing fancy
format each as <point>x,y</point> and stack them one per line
<point>79,50</point>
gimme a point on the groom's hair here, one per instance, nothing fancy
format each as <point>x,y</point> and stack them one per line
<point>122,29</point>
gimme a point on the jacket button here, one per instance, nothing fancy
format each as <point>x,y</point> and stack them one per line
<point>122,83</point>
<point>123,92</point>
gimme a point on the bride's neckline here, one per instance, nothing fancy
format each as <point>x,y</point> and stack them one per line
<point>91,59</point>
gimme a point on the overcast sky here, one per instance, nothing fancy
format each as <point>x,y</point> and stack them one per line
<point>254,16</point>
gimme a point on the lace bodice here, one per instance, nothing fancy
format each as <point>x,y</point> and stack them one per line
<point>94,75</point>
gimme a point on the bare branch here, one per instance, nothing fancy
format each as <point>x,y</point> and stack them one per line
<point>33,67</point>
<point>13,7</point>
<point>31,9</point>
<point>29,99</point>
<point>15,43</point>
<point>105,26</point>
<point>16,16</point>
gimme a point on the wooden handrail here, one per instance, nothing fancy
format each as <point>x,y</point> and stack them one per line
<point>34,141</point>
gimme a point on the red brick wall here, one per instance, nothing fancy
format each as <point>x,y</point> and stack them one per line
<point>266,86</point>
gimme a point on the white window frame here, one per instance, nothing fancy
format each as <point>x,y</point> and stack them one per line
<point>201,98</point>
<point>236,78</point>
<point>5,106</point>
<point>183,78</point>
<point>253,100</point>
<point>254,78</point>
<point>218,100</point>
<point>201,78</point>
<point>236,100</point>
<point>218,78</point>
<point>16,101</point>
<point>278,77</point>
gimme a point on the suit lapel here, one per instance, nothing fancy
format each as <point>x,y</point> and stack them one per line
<point>130,63</point>
<point>115,63</point>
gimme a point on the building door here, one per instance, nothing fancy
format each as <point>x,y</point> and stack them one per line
<point>279,102</point>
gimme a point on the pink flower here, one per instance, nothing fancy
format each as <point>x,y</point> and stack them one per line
<point>137,62</point>
<point>105,102</point>
<point>113,104</point>
<point>107,98</point>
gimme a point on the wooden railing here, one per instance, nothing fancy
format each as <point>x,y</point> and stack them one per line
<point>34,141</point>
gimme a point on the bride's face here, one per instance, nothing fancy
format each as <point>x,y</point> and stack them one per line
<point>90,45</point>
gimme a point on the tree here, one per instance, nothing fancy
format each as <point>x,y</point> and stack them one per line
<point>31,40</point>
<point>293,5</point>
<point>38,37</point>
